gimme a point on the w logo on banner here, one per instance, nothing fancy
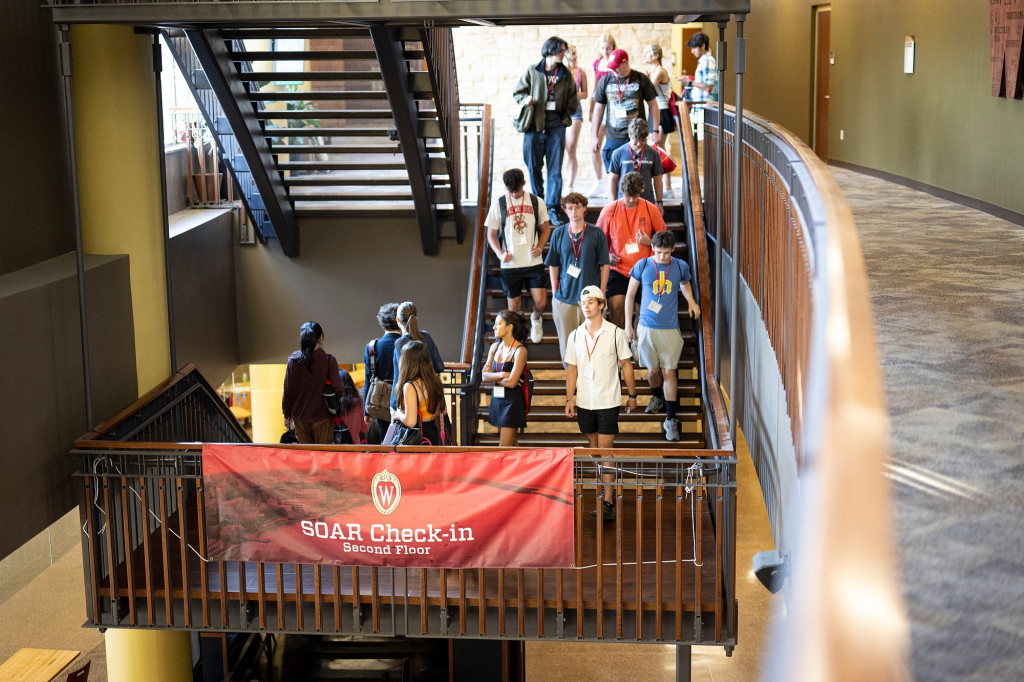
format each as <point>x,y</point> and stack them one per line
<point>386,491</point>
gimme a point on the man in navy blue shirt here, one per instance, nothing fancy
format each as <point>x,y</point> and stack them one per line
<point>660,278</point>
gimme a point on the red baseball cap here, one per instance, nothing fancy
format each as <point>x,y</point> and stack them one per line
<point>616,58</point>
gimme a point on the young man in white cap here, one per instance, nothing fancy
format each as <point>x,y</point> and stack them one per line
<point>660,278</point>
<point>594,353</point>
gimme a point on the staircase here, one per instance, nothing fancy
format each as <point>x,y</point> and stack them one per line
<point>547,425</point>
<point>335,123</point>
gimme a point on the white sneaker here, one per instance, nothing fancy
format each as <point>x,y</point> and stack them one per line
<point>536,329</point>
<point>597,190</point>
<point>670,193</point>
<point>671,427</point>
<point>656,405</point>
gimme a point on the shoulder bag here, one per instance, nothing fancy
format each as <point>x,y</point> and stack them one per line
<point>378,393</point>
<point>331,399</point>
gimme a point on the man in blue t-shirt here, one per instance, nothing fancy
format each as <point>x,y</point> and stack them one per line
<point>637,156</point>
<point>577,258</point>
<point>660,278</point>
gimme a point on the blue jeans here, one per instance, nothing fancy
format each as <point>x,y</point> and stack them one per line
<point>538,148</point>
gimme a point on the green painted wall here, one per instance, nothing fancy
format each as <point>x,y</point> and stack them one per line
<point>939,125</point>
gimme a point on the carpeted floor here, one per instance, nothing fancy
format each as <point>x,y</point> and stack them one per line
<point>949,313</point>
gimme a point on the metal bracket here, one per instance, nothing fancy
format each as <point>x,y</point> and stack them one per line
<point>698,623</point>
<point>560,624</point>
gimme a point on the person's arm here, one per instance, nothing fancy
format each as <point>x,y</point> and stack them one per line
<point>613,185</point>
<point>627,374</point>
<point>287,399</point>
<point>366,372</point>
<point>406,414</point>
<point>634,285</point>
<point>553,275</point>
<point>690,302</point>
<point>583,93</point>
<point>656,181</point>
<point>595,123</point>
<point>492,240</point>
<point>542,239</point>
<point>570,391</point>
<point>518,365</point>
<point>652,105</point>
<point>522,93</point>
<point>435,354</point>
<point>605,270</point>
<point>488,375</point>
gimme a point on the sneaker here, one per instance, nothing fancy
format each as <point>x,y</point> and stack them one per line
<point>536,329</point>
<point>656,405</point>
<point>669,193</point>
<point>607,511</point>
<point>597,190</point>
<point>671,427</point>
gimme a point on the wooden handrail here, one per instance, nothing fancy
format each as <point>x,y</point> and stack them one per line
<point>479,241</point>
<point>721,423</point>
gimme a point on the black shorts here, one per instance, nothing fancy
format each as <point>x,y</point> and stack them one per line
<point>514,279</point>
<point>668,122</point>
<point>604,421</point>
<point>617,284</point>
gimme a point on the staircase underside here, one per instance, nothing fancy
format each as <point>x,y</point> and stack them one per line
<point>393,12</point>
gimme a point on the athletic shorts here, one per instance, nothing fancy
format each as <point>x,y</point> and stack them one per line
<point>658,347</point>
<point>604,421</point>
<point>514,279</point>
<point>617,284</point>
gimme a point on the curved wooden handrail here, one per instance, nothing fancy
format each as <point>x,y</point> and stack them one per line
<point>845,565</point>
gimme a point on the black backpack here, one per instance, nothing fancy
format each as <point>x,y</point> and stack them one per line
<point>503,208</point>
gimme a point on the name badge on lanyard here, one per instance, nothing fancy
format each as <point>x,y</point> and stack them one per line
<point>588,371</point>
<point>573,271</point>
<point>654,307</point>
<point>519,239</point>
<point>550,105</point>
<point>499,391</point>
<point>632,247</point>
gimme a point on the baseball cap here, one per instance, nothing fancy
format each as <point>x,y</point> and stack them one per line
<point>616,58</point>
<point>591,292</point>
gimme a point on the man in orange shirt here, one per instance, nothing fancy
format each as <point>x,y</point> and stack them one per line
<point>628,224</point>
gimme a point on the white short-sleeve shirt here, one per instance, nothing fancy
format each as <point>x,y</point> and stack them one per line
<point>601,388</point>
<point>521,228</point>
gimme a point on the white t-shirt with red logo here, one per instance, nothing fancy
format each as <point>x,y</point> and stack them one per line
<point>520,228</point>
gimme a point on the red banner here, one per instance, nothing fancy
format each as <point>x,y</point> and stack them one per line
<point>511,509</point>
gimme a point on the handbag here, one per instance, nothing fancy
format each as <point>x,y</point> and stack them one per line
<point>523,121</point>
<point>378,393</point>
<point>331,399</point>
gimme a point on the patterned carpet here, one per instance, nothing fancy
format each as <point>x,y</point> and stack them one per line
<point>949,313</point>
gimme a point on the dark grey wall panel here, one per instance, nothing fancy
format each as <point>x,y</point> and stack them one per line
<point>203,284</point>
<point>35,195</point>
<point>42,400</point>
<point>345,272</point>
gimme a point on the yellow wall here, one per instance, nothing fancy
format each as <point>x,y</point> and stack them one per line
<point>267,383</point>
<point>119,176</point>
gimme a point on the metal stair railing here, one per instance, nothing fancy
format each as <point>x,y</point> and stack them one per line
<point>213,113</point>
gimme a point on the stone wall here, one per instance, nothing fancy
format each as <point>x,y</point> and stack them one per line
<point>490,61</point>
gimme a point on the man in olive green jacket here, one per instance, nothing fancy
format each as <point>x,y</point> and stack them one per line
<point>549,88</point>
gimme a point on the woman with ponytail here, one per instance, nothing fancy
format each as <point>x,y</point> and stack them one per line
<point>303,402</point>
<point>420,393</point>
<point>505,364</point>
<point>409,325</point>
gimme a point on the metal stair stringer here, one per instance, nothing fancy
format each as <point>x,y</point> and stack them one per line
<point>387,43</point>
<point>217,62</point>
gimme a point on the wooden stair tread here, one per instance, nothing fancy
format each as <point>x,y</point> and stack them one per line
<point>689,441</point>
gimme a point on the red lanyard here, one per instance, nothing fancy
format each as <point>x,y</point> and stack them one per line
<point>577,246</point>
<point>636,161</point>
<point>586,341</point>
<point>504,358</point>
<point>518,221</point>
<point>621,86</point>
<point>551,80</point>
<point>636,220</point>
<point>662,280</point>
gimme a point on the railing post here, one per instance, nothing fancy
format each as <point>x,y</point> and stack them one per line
<point>737,178</point>
<point>720,60</point>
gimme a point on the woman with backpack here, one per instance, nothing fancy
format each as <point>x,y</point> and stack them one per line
<point>506,363</point>
<point>309,368</point>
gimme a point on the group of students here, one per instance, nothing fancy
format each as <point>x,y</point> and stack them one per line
<point>404,357</point>
<point>550,117</point>
<point>608,268</point>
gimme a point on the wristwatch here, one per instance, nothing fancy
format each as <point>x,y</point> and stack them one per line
<point>632,396</point>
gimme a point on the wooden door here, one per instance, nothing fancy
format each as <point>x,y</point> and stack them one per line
<point>822,64</point>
